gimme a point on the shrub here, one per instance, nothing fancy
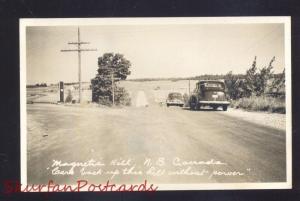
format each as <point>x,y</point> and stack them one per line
<point>104,100</point>
<point>234,86</point>
<point>261,103</point>
<point>186,99</point>
<point>122,97</point>
<point>255,82</point>
<point>69,97</point>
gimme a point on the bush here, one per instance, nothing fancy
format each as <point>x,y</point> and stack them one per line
<point>104,100</point>
<point>256,82</point>
<point>69,97</point>
<point>122,97</point>
<point>261,103</point>
<point>186,100</point>
<point>234,86</point>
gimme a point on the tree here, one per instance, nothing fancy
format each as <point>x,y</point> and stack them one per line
<point>111,69</point>
<point>234,85</point>
<point>278,83</point>
<point>256,83</point>
<point>251,79</point>
<point>263,78</point>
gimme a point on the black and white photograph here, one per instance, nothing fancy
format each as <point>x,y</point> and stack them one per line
<point>183,103</point>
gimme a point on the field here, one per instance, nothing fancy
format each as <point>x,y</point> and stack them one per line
<point>50,94</point>
<point>157,91</point>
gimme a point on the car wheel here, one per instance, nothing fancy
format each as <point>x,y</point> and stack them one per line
<point>192,106</point>
<point>168,105</point>
<point>193,103</point>
<point>225,107</point>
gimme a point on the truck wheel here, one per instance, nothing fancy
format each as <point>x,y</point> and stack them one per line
<point>215,107</point>
<point>225,107</point>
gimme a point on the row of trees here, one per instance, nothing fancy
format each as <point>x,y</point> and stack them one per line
<point>256,82</point>
<point>37,85</point>
<point>198,77</point>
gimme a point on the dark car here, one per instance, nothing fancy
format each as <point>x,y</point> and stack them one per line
<point>175,99</point>
<point>209,93</point>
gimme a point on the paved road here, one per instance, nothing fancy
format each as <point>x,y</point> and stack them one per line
<point>170,135</point>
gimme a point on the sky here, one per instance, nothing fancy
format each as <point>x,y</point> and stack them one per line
<point>155,51</point>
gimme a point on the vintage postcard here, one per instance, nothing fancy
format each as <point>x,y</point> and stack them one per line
<point>146,104</point>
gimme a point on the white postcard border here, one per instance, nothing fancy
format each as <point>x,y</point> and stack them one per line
<point>165,21</point>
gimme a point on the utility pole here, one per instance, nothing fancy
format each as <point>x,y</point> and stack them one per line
<point>79,50</point>
<point>189,87</point>
<point>112,87</point>
<point>112,77</point>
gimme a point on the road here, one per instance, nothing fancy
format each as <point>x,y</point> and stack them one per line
<point>170,135</point>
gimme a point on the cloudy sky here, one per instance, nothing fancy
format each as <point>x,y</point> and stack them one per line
<point>154,50</point>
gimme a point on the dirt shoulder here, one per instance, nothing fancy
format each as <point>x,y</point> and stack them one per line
<point>273,120</point>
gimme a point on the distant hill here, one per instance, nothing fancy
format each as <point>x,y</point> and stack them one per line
<point>199,77</point>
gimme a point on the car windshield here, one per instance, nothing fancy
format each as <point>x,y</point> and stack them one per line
<point>212,85</point>
<point>175,96</point>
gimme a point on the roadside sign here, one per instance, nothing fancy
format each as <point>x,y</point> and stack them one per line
<point>61,91</point>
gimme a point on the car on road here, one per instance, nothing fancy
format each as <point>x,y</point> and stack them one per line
<point>175,99</point>
<point>209,93</point>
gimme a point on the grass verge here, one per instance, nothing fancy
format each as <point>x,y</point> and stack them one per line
<point>261,103</point>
